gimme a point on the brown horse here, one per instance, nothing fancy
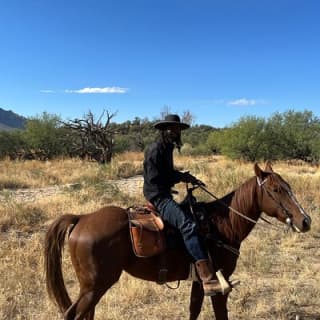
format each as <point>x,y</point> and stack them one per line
<point>100,245</point>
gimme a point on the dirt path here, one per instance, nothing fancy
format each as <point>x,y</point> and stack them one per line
<point>130,186</point>
<point>27,195</point>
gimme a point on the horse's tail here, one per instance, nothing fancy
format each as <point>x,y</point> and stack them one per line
<point>54,243</point>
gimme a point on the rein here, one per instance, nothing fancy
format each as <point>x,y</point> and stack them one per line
<point>225,205</point>
<point>201,185</point>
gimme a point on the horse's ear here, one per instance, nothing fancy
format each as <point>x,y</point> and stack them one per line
<point>268,166</point>
<point>258,171</point>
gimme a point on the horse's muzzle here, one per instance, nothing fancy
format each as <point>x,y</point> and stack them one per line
<point>306,224</point>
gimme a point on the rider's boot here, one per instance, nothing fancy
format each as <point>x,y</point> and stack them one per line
<point>211,286</point>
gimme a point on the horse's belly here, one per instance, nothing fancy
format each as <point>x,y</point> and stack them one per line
<point>176,263</point>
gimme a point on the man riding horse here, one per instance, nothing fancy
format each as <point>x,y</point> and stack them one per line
<point>159,177</point>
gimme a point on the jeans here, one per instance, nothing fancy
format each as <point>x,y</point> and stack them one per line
<point>171,212</point>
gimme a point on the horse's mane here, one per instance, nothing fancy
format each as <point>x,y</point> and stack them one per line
<point>228,223</point>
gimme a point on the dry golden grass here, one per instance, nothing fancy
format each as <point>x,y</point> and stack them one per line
<point>279,270</point>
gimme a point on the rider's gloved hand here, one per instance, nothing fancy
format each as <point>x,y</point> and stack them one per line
<point>189,178</point>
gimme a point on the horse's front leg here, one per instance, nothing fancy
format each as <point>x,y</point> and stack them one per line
<point>219,303</point>
<point>196,300</point>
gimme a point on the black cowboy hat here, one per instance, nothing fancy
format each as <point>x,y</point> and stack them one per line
<point>171,119</point>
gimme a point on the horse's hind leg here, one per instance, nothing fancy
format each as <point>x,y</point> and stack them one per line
<point>77,310</point>
<point>83,307</point>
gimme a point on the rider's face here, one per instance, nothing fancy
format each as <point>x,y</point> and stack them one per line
<point>174,134</point>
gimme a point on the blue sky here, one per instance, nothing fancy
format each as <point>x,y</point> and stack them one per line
<point>220,60</point>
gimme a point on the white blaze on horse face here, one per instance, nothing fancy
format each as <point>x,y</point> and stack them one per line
<point>299,206</point>
<point>301,210</point>
<point>261,183</point>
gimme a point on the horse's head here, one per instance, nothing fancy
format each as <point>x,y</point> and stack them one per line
<point>277,200</point>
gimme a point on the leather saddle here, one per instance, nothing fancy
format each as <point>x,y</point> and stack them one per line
<point>146,231</point>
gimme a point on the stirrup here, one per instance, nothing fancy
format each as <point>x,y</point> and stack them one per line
<point>211,287</point>
<point>225,286</point>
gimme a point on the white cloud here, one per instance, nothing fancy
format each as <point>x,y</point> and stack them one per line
<point>99,90</point>
<point>243,102</point>
<point>47,91</point>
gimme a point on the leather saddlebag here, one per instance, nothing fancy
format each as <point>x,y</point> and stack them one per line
<point>147,236</point>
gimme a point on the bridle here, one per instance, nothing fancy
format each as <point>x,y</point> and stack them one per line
<point>270,193</point>
<point>279,204</point>
<point>261,184</point>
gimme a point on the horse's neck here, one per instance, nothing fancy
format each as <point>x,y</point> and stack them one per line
<point>244,200</point>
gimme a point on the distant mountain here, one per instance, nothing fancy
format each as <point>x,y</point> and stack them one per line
<point>10,120</point>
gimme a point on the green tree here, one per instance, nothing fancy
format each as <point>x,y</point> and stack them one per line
<point>216,141</point>
<point>244,140</point>
<point>44,134</point>
<point>197,137</point>
<point>293,135</point>
<point>11,143</point>
<point>289,135</point>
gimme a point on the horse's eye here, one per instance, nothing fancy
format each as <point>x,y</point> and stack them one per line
<point>276,189</point>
